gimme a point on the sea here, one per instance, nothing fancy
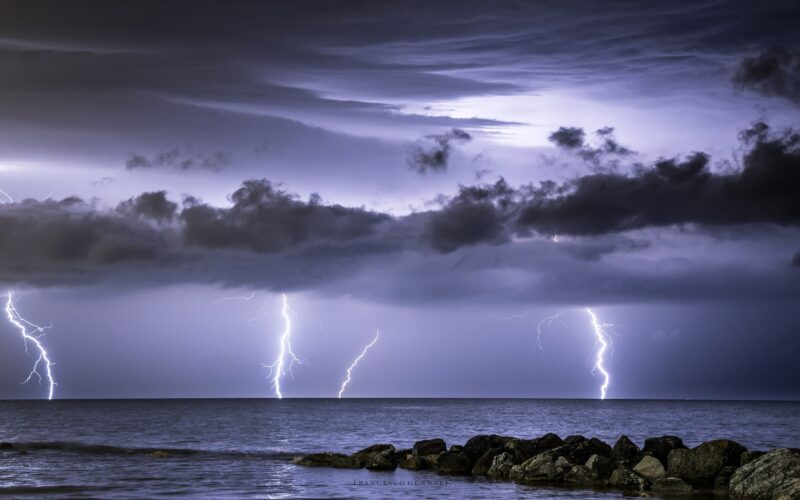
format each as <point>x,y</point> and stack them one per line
<point>242,448</point>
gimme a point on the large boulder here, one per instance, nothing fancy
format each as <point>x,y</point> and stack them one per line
<point>700,465</point>
<point>523,449</point>
<point>328,459</point>
<point>501,466</point>
<point>579,452</point>
<point>626,479</point>
<point>454,463</point>
<point>476,446</point>
<point>484,463</point>
<point>546,466</point>
<point>671,485</point>
<point>774,475</point>
<point>378,457</point>
<point>602,466</point>
<point>574,439</point>
<point>582,476</point>
<point>625,452</point>
<point>429,447</point>
<point>650,468</point>
<point>660,447</point>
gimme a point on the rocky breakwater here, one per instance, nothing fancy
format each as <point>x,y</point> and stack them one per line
<point>664,465</point>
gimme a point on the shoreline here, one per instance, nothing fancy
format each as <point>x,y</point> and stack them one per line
<point>663,466</point>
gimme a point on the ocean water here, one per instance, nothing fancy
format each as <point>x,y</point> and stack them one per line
<point>242,448</point>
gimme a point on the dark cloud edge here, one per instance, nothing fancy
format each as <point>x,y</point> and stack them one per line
<point>69,242</point>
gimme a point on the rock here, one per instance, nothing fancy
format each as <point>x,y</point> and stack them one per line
<point>523,449</point>
<point>575,439</point>
<point>579,452</point>
<point>456,447</point>
<point>650,468</point>
<point>583,476</point>
<point>377,457</point>
<point>626,452</point>
<point>601,466</point>
<point>483,464</point>
<point>546,466</point>
<point>160,454</point>
<point>412,462</point>
<point>723,478</point>
<point>626,479</point>
<point>454,463</point>
<point>429,447</point>
<point>476,446</point>
<point>328,459</point>
<point>700,465</point>
<point>6,446</point>
<point>501,466</point>
<point>774,475</point>
<point>660,447</point>
<point>671,485</point>
<point>749,456</point>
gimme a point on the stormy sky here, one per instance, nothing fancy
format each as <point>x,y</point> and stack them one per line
<point>452,173</point>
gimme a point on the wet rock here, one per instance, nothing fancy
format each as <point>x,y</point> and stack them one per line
<point>579,453</point>
<point>749,456</point>
<point>328,459</point>
<point>377,457</point>
<point>546,466</point>
<point>476,446</point>
<point>650,468</point>
<point>671,485</point>
<point>582,476</point>
<point>454,463</point>
<point>6,446</point>
<point>483,464</point>
<point>724,478</point>
<point>429,447</point>
<point>601,466</point>
<point>660,447</point>
<point>774,475</point>
<point>626,479</point>
<point>412,462</point>
<point>523,449</point>
<point>574,439</point>
<point>501,466</point>
<point>160,454</point>
<point>626,452</point>
<point>700,465</point>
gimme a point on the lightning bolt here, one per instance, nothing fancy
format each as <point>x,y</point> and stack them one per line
<point>280,367</point>
<point>602,342</point>
<point>545,325</point>
<point>355,362</point>
<point>8,198</point>
<point>33,336</point>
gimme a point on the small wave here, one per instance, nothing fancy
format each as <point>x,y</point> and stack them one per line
<point>160,452</point>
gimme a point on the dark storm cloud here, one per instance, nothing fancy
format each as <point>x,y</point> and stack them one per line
<point>154,206</point>
<point>266,219</point>
<point>183,159</point>
<point>568,137</point>
<point>435,157</point>
<point>608,152</point>
<point>765,190</point>
<point>774,72</point>
<point>271,238</point>
<point>69,241</point>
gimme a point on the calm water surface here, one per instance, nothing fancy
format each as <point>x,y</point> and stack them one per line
<point>241,448</point>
